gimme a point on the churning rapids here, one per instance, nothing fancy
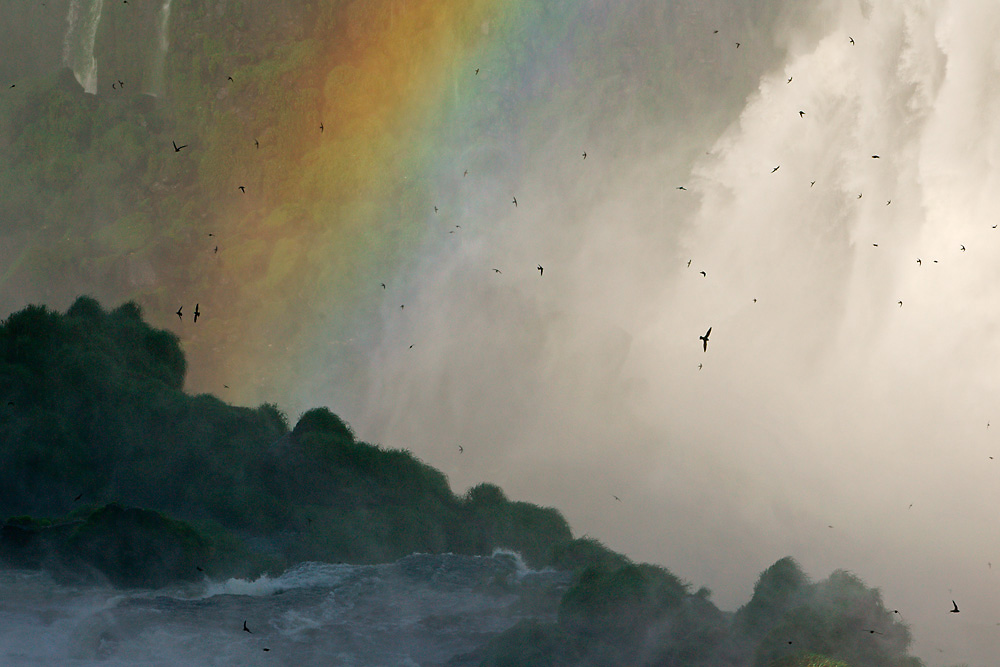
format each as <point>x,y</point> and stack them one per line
<point>420,610</point>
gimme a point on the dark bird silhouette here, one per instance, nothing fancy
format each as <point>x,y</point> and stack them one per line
<point>888,201</point>
<point>954,608</point>
<point>198,568</point>
<point>114,86</point>
<point>681,187</point>
<point>584,155</point>
<point>196,312</point>
<point>776,169</point>
<point>852,40</point>
<point>812,183</point>
<point>689,263</point>
<point>460,449</point>
<point>859,195</point>
<point>874,245</point>
<point>465,173</point>
<point>737,45</point>
<point>402,306</point>
<point>177,149</point>
<point>801,113</point>
<point>699,366</point>
<point>256,144</point>
<point>541,269</point>
<point>919,263</point>
<point>216,251</point>
<point>963,248</point>
<point>497,271</point>
<point>704,339</point>
<point>435,209</point>
<point>789,80</point>
<point>229,78</point>
<point>616,497</point>
<point>266,649</point>
<point>411,347</point>
<point>874,632</point>
<point>243,189</point>
<point>900,304</point>
<point>10,404</point>
<point>78,498</point>
<point>180,316</point>
<point>515,202</point>
<point>383,285</point>
<point>715,32</point>
<point>477,71</point>
<point>321,128</point>
<point>875,157</point>
<point>245,628</point>
<point>13,85</point>
<point>121,84</point>
<point>703,274</point>
<point>226,386</point>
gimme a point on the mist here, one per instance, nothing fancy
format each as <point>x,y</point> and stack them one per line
<point>827,421</point>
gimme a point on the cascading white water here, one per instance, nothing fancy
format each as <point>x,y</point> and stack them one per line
<point>157,70</point>
<point>78,44</point>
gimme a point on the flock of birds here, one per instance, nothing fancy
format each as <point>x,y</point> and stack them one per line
<point>119,85</point>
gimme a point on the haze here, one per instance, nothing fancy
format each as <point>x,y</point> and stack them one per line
<point>826,421</point>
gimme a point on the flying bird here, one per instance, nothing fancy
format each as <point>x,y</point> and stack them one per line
<point>78,498</point>
<point>216,251</point>
<point>477,71</point>
<point>497,271</point>
<point>703,274</point>
<point>919,263</point>
<point>900,304</point>
<point>875,157</point>
<point>737,45</point>
<point>243,189</point>
<point>435,209</point>
<point>801,113</point>
<point>681,187</point>
<point>584,155</point>
<point>954,608</point>
<point>812,183</point>
<point>196,312</point>
<point>466,173</point>
<point>963,248</point>
<point>256,144</point>
<point>177,149</point>
<point>180,316</point>
<point>776,169</point>
<point>699,366</point>
<point>515,202</point>
<point>616,497</point>
<point>689,263</point>
<point>383,285</point>
<point>321,128</point>
<point>874,245</point>
<point>541,270</point>
<point>859,195</point>
<point>789,80</point>
<point>245,628</point>
<point>852,40</point>
<point>704,339</point>
<point>460,449</point>
<point>888,201</point>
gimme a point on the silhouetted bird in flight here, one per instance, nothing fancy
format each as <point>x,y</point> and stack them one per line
<point>383,285</point>
<point>78,498</point>
<point>704,339</point>
<point>460,449</point>
<point>114,86</point>
<point>859,195</point>
<point>874,245</point>
<point>737,45</point>
<point>789,80</point>
<point>121,84</point>
<point>703,274</point>
<point>852,40</point>
<point>900,304</point>
<point>699,366</point>
<point>515,202</point>
<point>801,113</point>
<point>321,128</point>
<point>256,144</point>
<point>196,312</point>
<point>497,271</point>
<point>541,269</point>
<point>616,497</point>
<point>230,78</point>
<point>776,169</point>
<point>954,608</point>
<point>919,262</point>
<point>584,155</point>
<point>179,315</point>
<point>888,201</point>
<point>874,632</point>
<point>216,251</point>
<point>963,248</point>
<point>177,149</point>
<point>689,263</point>
<point>477,71</point>
<point>198,568</point>
<point>243,189</point>
<point>465,173</point>
<point>245,628</point>
<point>812,183</point>
<point>681,187</point>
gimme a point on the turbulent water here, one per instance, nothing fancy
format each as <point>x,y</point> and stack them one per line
<point>78,44</point>
<point>422,610</point>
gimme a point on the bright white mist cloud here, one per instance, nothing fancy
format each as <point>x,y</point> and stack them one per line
<point>823,403</point>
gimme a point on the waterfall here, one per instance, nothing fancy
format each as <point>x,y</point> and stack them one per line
<point>158,85</point>
<point>78,44</point>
